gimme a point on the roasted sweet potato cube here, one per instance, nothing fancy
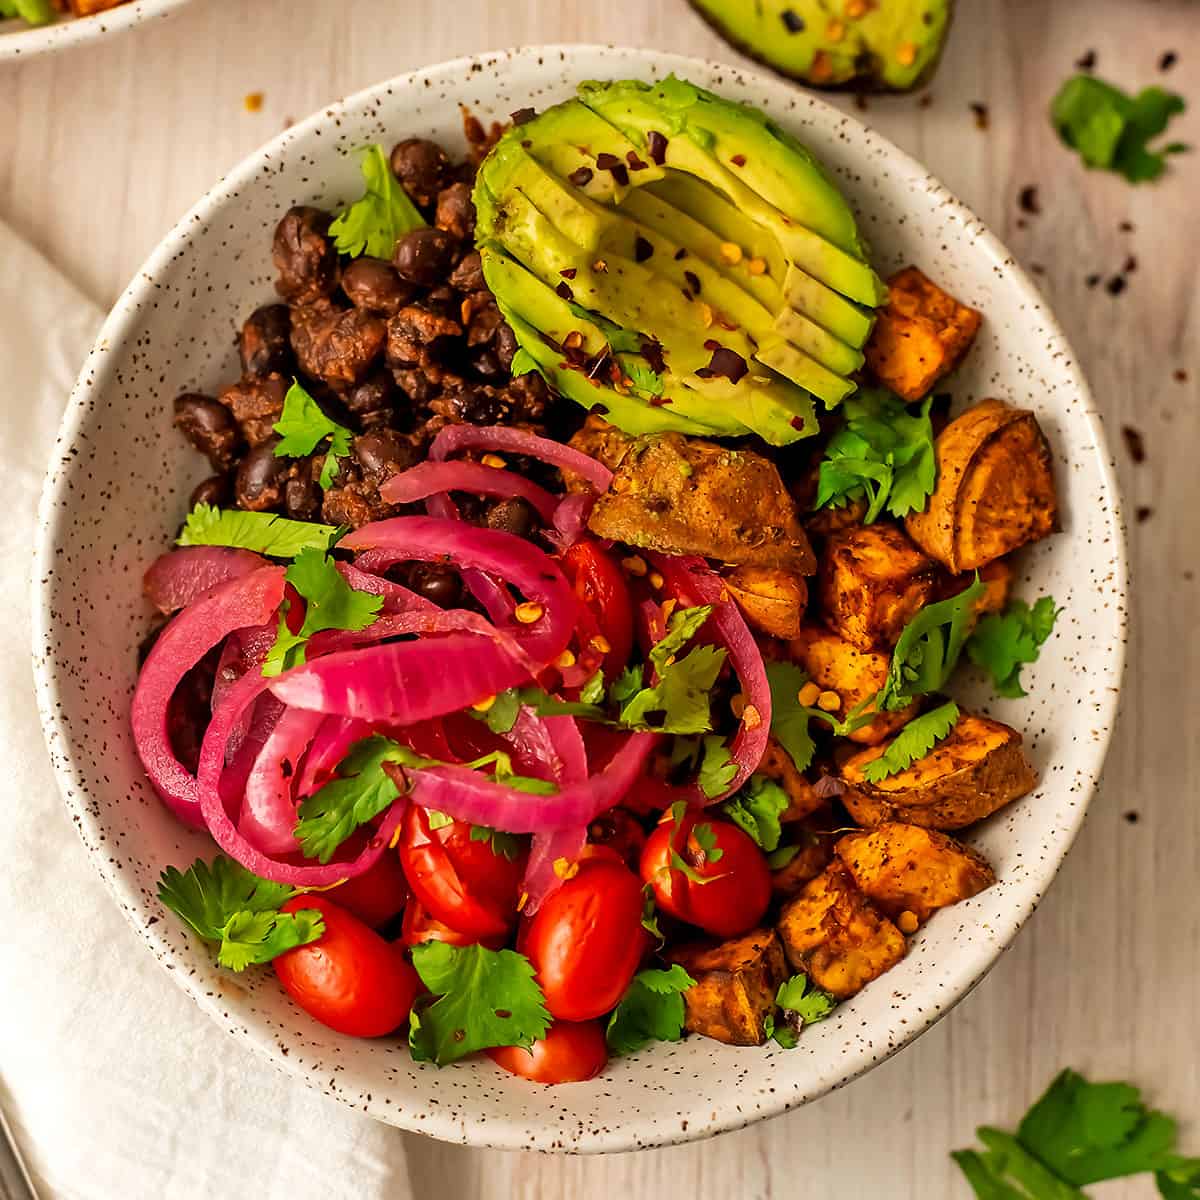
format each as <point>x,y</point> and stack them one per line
<point>772,599</point>
<point>976,769</point>
<point>837,936</point>
<point>905,868</point>
<point>872,581</point>
<point>855,675</point>
<point>996,576</point>
<point>995,488</point>
<point>777,765</point>
<point>920,336</point>
<point>815,841</point>
<point>736,982</point>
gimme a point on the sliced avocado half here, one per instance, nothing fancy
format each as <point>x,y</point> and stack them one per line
<point>884,45</point>
<point>713,243</point>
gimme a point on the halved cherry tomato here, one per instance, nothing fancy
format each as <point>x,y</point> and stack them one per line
<point>618,830</point>
<point>377,895</point>
<point>569,1053</point>
<point>460,881</point>
<point>418,926</point>
<point>349,978</point>
<point>600,583</point>
<point>586,940</point>
<point>739,882</point>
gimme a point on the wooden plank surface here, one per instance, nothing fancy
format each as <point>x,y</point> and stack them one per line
<point>102,150</point>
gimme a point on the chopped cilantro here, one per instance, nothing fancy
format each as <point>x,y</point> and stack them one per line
<point>810,1004</point>
<point>330,603</point>
<point>262,532</point>
<point>486,998</point>
<point>626,685</point>
<point>681,694</point>
<point>592,692</point>
<point>1180,1182</point>
<point>1004,642</point>
<point>706,839</point>
<point>302,426</point>
<point>646,381</point>
<point>225,903</point>
<point>504,845</point>
<point>756,808</point>
<point>914,741</point>
<point>789,718</point>
<point>651,1010</point>
<point>374,224</point>
<point>523,363</point>
<point>1110,129</point>
<point>717,768</point>
<point>650,916</point>
<point>778,859</point>
<point>884,454</point>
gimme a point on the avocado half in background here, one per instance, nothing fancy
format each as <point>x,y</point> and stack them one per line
<point>676,262</point>
<point>871,45</point>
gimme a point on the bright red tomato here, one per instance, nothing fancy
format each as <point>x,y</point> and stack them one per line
<point>600,583</point>
<point>739,886</point>
<point>377,895</point>
<point>586,940</point>
<point>419,926</point>
<point>461,882</point>
<point>349,978</point>
<point>569,1053</point>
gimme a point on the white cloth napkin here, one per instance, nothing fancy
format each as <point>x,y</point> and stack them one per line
<point>117,1085</point>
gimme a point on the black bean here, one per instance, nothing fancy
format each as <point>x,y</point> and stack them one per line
<point>373,284</point>
<point>383,453</point>
<point>512,516</point>
<point>209,426</point>
<point>261,477</point>
<point>214,490</point>
<point>423,256</point>
<point>264,344</point>
<point>456,210</point>
<point>439,584</point>
<point>468,275</point>
<point>422,168</point>
<point>301,498</point>
<point>305,258</point>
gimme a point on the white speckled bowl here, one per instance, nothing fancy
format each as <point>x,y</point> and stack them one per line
<point>19,41</point>
<point>117,489</point>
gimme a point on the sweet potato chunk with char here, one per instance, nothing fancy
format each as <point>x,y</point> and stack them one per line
<point>905,868</point>
<point>735,988</point>
<point>856,675</point>
<point>682,495</point>
<point>771,599</point>
<point>837,936</point>
<point>777,765</point>
<point>920,336</point>
<point>995,488</point>
<point>815,841</point>
<point>872,582</point>
<point>598,439</point>
<point>978,768</point>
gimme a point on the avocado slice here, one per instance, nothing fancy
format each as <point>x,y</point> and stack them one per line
<point>659,216</point>
<point>884,45</point>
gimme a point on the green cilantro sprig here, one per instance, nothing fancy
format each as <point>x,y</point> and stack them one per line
<point>303,426</point>
<point>1077,1134</point>
<point>226,904</point>
<point>652,1009</point>
<point>485,998</point>
<point>756,809</point>
<point>330,603</point>
<point>802,1003</point>
<point>884,455</point>
<point>374,224</point>
<point>914,741</point>
<point>1111,130</point>
<point>1005,642</point>
<point>264,533</point>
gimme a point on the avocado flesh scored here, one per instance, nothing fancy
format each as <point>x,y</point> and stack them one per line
<point>893,44</point>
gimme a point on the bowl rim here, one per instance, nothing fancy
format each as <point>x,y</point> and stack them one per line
<point>502,1133</point>
<point>37,40</point>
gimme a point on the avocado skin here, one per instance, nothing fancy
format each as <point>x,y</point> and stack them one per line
<point>866,72</point>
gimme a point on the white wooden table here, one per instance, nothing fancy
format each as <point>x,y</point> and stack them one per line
<point>102,150</point>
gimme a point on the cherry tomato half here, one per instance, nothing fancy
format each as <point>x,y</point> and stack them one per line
<point>569,1053</point>
<point>739,881</point>
<point>418,926</point>
<point>586,940</point>
<point>377,895</point>
<point>460,881</point>
<point>600,583</point>
<point>349,978</point>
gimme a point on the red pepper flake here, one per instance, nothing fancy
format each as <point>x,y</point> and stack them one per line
<point>1168,60</point>
<point>982,117</point>
<point>797,422</point>
<point>1028,199</point>
<point>1143,513</point>
<point>793,22</point>
<point>659,401</point>
<point>738,160</point>
<point>569,272</point>
<point>1135,443</point>
<point>635,163</point>
<point>680,254</point>
<point>642,250</point>
<point>611,163</point>
<point>1087,62</point>
<point>564,290</point>
<point>580,177</point>
<point>523,116</point>
<point>693,281</point>
<point>657,145</point>
<point>726,363</point>
<point>652,352</point>
<point>712,344</point>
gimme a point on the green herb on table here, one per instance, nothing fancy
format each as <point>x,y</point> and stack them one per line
<point>374,224</point>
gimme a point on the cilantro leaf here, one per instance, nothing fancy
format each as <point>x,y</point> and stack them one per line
<point>681,694</point>
<point>756,808</point>
<point>1180,1182</point>
<point>374,224</point>
<point>779,858</point>
<point>626,685</point>
<point>717,767</point>
<point>302,426</point>
<point>650,916</point>
<point>592,692</point>
<point>259,531</point>
<point>331,603</point>
<point>652,1009</point>
<point>706,839</point>
<point>1111,130</point>
<point>1004,642</point>
<point>504,845</point>
<point>914,741</point>
<point>645,380</point>
<point>809,1003</point>
<point>486,998</point>
<point>225,903</point>
<point>985,1173</point>
<point>789,718</point>
<point>683,625</point>
<point>523,363</point>
<point>884,454</point>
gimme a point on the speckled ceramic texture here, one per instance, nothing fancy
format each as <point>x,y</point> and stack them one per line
<point>117,490</point>
<point>19,41</point>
